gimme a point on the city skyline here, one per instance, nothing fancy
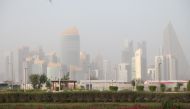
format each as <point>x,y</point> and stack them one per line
<point>117,20</point>
<point>133,63</point>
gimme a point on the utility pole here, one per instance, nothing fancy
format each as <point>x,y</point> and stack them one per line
<point>12,74</point>
<point>159,70</point>
<point>25,80</point>
<point>59,80</point>
<point>11,66</point>
<point>89,75</point>
<point>115,74</point>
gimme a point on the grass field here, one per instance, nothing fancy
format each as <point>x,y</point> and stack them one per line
<point>85,106</point>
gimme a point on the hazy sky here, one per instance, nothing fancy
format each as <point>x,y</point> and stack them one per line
<point>103,24</point>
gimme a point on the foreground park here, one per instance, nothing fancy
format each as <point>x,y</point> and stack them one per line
<point>94,100</point>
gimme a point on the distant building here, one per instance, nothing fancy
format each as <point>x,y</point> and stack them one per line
<point>160,68</point>
<point>165,67</point>
<point>52,57</point>
<point>133,72</point>
<point>54,71</point>
<point>70,50</point>
<point>126,56</point>
<point>142,46</point>
<point>9,66</point>
<point>104,84</point>
<point>140,69</point>
<point>27,69</point>
<point>23,52</point>
<point>107,70</point>
<point>127,52</point>
<point>123,73</point>
<point>172,67</point>
<point>39,67</point>
<point>151,73</point>
<point>97,65</point>
<point>84,66</point>
<point>175,55</point>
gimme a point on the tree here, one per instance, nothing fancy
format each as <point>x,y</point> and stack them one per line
<point>133,83</point>
<point>66,77</point>
<point>113,88</point>
<point>140,88</point>
<point>162,87</point>
<point>48,84</point>
<point>34,79</point>
<point>179,85</point>
<point>37,80</point>
<point>152,88</point>
<point>43,79</point>
<point>188,86</point>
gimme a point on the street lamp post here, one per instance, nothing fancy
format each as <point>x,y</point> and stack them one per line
<point>25,80</point>
<point>12,81</point>
<point>116,75</point>
<point>89,75</point>
<point>159,70</point>
<point>59,80</point>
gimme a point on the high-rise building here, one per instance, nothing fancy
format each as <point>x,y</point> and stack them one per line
<point>142,46</point>
<point>27,69</point>
<point>2,64</point>
<point>123,75</point>
<point>9,66</point>
<point>70,55</point>
<point>107,70</point>
<point>52,57</point>
<point>126,57</point>
<point>138,64</point>
<point>133,73</point>
<point>151,72</point>
<point>127,52</point>
<point>173,49</point>
<point>23,52</point>
<point>160,68</point>
<point>98,66</point>
<point>84,65</point>
<point>171,67</point>
<point>54,71</point>
<point>39,67</point>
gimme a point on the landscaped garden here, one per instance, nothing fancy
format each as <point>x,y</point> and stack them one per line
<point>94,100</point>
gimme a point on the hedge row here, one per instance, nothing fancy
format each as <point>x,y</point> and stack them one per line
<point>65,97</point>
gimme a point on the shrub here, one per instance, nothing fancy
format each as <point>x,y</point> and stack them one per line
<point>162,87</point>
<point>167,104</point>
<point>140,88</point>
<point>57,89</point>
<point>113,88</point>
<point>169,90</point>
<point>188,86</point>
<point>152,88</point>
<point>91,96</point>
<point>176,89</point>
<point>184,89</point>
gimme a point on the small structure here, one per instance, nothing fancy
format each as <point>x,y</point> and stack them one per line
<point>62,84</point>
<point>104,84</point>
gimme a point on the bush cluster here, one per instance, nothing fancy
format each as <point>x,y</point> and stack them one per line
<point>92,96</point>
<point>140,88</point>
<point>113,88</point>
<point>152,88</point>
<point>162,87</point>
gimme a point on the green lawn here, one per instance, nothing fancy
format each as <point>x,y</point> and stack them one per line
<point>83,106</point>
<point>73,105</point>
